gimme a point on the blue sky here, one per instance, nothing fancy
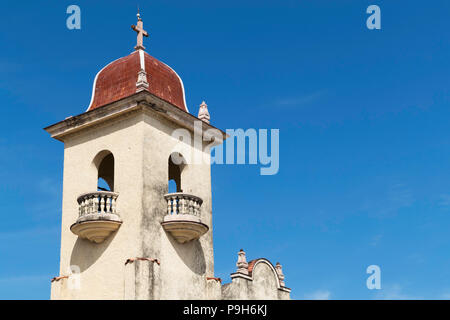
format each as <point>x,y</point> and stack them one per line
<point>364,137</point>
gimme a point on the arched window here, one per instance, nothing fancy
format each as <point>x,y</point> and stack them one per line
<point>172,186</point>
<point>104,161</point>
<point>102,185</point>
<point>176,165</point>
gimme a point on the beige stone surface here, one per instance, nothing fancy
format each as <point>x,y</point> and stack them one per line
<point>138,133</point>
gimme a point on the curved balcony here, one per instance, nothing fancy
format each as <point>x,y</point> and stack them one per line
<point>183,217</point>
<point>97,216</point>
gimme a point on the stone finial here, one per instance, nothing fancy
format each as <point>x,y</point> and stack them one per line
<point>141,33</point>
<point>242,263</point>
<point>203,113</point>
<point>141,83</point>
<point>279,269</point>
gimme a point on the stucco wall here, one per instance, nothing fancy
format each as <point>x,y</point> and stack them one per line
<point>184,267</point>
<point>261,284</point>
<point>101,265</point>
<point>141,143</point>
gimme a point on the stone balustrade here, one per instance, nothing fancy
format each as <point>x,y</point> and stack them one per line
<point>99,202</point>
<point>183,203</point>
<point>97,216</point>
<point>183,218</point>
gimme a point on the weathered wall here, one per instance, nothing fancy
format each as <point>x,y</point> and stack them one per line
<point>261,284</point>
<point>102,265</point>
<point>141,143</point>
<point>264,285</point>
<point>184,267</point>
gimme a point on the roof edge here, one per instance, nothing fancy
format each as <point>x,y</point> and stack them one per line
<point>143,99</point>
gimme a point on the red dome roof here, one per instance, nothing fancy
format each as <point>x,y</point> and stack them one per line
<point>118,80</point>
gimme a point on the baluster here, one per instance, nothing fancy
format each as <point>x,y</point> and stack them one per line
<point>183,205</point>
<point>93,209</point>
<point>197,208</point>
<point>108,204</point>
<point>102,203</point>
<point>91,205</point>
<point>172,202</point>
<point>95,204</point>
<point>169,206</point>
<point>177,205</point>
<point>191,207</point>
<point>180,205</point>
<point>113,205</point>
<point>174,205</point>
<point>84,204</point>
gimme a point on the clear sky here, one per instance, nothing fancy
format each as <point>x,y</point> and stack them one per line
<point>364,133</point>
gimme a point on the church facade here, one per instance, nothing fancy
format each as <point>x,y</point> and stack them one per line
<point>132,239</point>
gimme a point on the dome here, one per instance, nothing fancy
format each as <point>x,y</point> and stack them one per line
<point>118,80</point>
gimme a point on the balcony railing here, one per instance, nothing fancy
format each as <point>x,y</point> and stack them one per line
<point>183,203</point>
<point>97,216</point>
<point>102,202</point>
<point>183,218</point>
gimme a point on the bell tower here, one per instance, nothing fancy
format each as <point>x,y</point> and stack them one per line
<point>128,237</point>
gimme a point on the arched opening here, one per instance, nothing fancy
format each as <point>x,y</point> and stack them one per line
<point>176,165</point>
<point>172,186</point>
<point>102,185</point>
<point>104,163</point>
